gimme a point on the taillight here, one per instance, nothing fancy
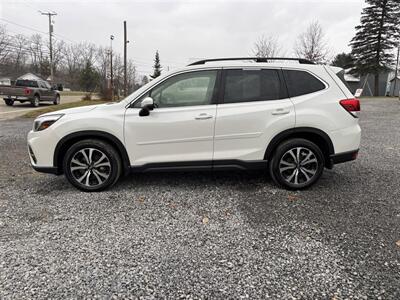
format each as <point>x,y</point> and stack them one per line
<point>27,91</point>
<point>351,105</point>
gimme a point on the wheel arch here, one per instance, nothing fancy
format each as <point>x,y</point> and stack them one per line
<point>70,139</point>
<point>317,136</point>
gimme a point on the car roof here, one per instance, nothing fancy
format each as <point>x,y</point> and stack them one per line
<point>250,64</point>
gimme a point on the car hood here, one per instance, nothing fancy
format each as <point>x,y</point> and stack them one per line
<point>68,111</point>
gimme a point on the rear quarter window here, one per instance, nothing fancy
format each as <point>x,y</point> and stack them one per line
<point>302,83</point>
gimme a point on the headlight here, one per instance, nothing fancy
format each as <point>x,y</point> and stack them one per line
<point>44,122</point>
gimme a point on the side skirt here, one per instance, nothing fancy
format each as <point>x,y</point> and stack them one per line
<point>189,166</point>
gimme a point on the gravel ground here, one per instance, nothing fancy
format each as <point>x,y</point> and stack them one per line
<point>205,235</point>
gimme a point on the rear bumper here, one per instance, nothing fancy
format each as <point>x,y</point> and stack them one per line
<point>17,98</point>
<point>344,157</point>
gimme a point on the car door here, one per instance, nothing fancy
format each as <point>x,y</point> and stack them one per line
<point>255,107</point>
<point>50,93</point>
<point>181,126</point>
<point>44,91</point>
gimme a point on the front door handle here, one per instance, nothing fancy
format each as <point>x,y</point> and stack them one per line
<point>281,111</point>
<point>203,116</point>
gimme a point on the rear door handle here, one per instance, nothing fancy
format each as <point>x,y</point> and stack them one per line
<point>203,116</point>
<point>281,111</point>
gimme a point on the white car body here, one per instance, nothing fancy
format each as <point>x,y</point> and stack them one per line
<point>240,132</point>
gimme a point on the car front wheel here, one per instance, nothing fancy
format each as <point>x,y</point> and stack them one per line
<point>296,164</point>
<point>92,165</point>
<point>35,101</point>
<point>56,100</point>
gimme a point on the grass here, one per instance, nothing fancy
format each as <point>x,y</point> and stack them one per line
<point>51,108</point>
<point>75,93</point>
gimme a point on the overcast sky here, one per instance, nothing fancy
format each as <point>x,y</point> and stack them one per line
<point>185,30</point>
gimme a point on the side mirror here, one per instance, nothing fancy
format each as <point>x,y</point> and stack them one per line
<point>147,102</point>
<point>147,105</point>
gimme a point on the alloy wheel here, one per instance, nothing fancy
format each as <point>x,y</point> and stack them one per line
<point>90,167</point>
<point>298,165</point>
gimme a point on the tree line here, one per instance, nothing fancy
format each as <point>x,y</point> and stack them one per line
<point>78,66</point>
<point>372,48</point>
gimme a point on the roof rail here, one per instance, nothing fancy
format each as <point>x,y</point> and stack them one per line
<point>256,59</point>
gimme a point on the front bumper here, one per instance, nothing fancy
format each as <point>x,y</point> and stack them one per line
<point>48,170</point>
<point>41,147</point>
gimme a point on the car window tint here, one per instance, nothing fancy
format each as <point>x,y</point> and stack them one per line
<point>28,83</point>
<point>301,83</point>
<point>252,85</point>
<point>188,89</point>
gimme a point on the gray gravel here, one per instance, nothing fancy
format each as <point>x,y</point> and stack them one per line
<point>205,235</point>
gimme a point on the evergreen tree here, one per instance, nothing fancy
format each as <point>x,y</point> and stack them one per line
<point>89,78</point>
<point>157,66</point>
<point>343,60</point>
<point>376,37</point>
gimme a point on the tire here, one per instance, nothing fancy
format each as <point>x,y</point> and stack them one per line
<point>9,102</point>
<point>296,174</point>
<point>35,101</point>
<point>82,172</point>
<point>57,100</point>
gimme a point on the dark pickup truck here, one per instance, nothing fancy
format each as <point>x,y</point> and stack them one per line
<point>33,91</point>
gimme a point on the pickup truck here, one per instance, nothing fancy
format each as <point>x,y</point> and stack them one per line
<point>33,91</point>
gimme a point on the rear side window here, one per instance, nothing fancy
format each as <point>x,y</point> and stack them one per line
<point>27,83</point>
<point>252,85</point>
<point>301,83</point>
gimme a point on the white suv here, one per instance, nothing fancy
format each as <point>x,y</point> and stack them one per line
<point>289,116</point>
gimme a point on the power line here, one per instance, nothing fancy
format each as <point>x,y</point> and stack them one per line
<point>37,30</point>
<point>23,26</point>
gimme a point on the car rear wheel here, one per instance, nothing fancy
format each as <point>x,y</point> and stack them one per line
<point>36,101</point>
<point>297,164</point>
<point>92,165</point>
<point>9,102</point>
<point>57,100</point>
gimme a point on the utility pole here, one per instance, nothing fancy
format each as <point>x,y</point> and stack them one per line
<point>50,15</point>
<point>396,71</point>
<point>125,59</point>
<point>111,70</point>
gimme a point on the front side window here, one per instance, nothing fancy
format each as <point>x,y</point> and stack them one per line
<point>187,89</point>
<point>47,85</point>
<point>302,83</point>
<point>252,85</point>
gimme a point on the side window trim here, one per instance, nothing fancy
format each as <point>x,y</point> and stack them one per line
<point>302,70</point>
<point>214,98</point>
<point>282,82</point>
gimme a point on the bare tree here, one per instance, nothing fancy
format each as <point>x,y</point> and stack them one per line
<point>39,59</point>
<point>73,63</point>
<point>266,46</point>
<point>312,44</point>
<point>19,53</point>
<point>58,51</point>
<point>4,44</point>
